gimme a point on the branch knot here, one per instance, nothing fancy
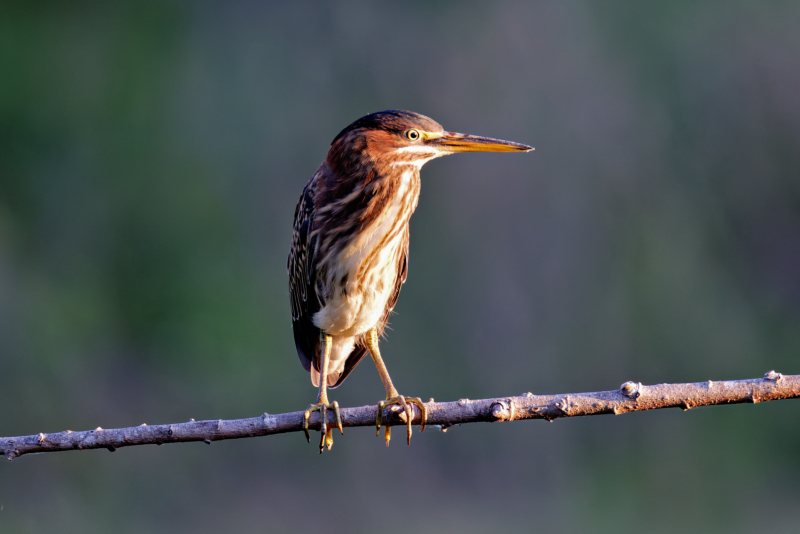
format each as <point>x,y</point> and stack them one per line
<point>632,390</point>
<point>772,376</point>
<point>502,410</point>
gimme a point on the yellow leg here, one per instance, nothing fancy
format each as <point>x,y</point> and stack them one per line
<point>322,406</point>
<point>392,396</point>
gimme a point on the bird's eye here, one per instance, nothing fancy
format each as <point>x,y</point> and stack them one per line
<point>413,134</point>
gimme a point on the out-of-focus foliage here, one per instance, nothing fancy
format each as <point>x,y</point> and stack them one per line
<point>151,155</point>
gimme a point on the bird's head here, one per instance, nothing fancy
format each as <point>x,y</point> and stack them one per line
<point>397,138</point>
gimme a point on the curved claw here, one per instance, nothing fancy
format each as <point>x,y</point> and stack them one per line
<point>326,437</point>
<point>338,416</point>
<point>323,426</point>
<point>423,410</point>
<point>379,417</point>
<point>404,402</point>
<point>306,415</point>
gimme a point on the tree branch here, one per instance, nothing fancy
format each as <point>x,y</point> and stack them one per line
<point>631,397</point>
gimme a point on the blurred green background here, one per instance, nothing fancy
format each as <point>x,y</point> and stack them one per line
<point>151,155</point>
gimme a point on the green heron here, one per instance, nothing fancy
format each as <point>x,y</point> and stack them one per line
<point>349,253</point>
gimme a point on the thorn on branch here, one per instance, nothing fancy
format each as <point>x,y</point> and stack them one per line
<point>541,411</point>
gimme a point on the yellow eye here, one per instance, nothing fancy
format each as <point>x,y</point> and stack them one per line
<point>413,134</point>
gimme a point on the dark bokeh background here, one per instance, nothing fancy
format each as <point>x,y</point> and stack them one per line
<point>151,155</point>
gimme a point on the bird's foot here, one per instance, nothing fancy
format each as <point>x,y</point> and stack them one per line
<point>404,402</point>
<point>326,437</point>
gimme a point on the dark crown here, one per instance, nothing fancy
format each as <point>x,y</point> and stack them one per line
<point>392,120</point>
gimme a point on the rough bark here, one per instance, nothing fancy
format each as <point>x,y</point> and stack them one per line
<point>631,397</point>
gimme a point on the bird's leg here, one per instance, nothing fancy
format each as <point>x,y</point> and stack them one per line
<point>322,406</point>
<point>392,396</point>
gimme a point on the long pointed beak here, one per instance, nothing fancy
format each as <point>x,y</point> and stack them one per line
<point>456,142</point>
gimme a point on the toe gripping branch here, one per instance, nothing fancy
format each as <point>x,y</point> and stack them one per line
<point>404,402</point>
<point>326,437</point>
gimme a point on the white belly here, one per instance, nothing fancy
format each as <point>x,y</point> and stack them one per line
<point>356,307</point>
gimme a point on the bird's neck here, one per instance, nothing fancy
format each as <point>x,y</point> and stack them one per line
<point>368,179</point>
<point>359,200</point>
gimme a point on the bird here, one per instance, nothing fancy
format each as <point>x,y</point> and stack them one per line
<point>349,252</point>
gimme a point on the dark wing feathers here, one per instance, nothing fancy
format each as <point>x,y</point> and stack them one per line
<point>359,351</point>
<point>302,281</point>
<point>402,274</point>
